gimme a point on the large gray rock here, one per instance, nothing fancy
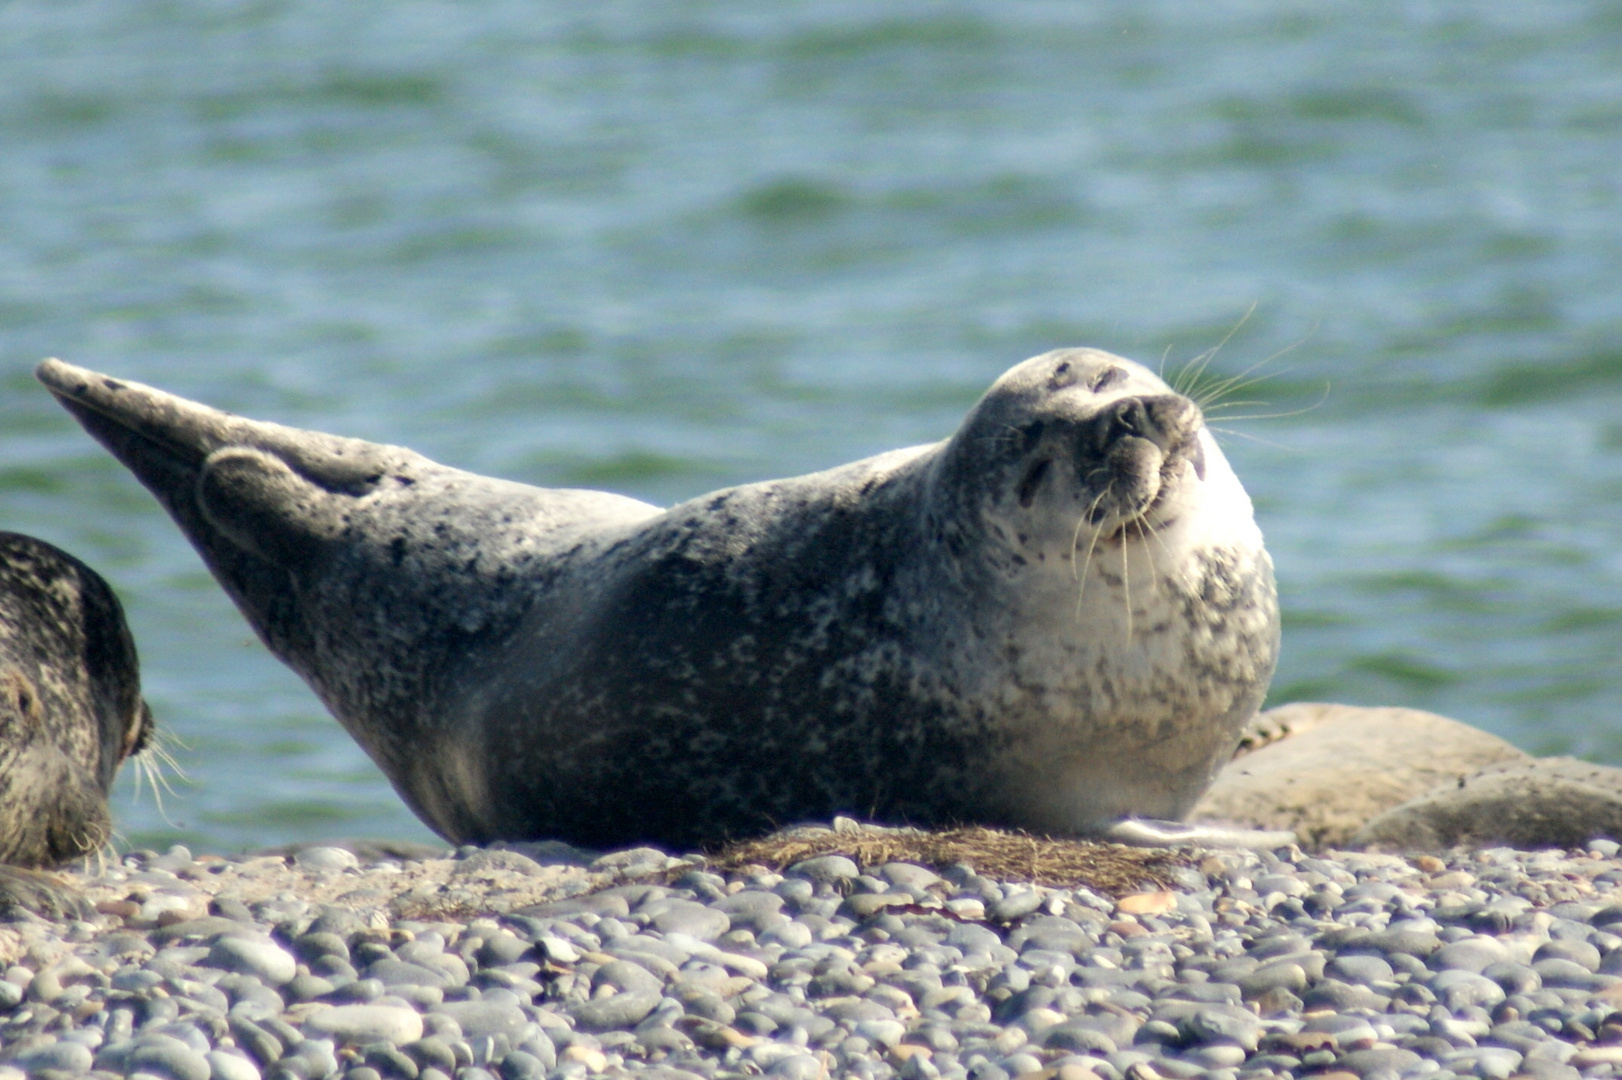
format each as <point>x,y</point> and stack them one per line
<point>1536,803</point>
<point>1324,771</point>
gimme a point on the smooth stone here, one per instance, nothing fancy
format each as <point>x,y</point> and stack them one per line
<point>396,973</point>
<point>1513,977</point>
<point>226,1065</point>
<point>1366,1062</point>
<point>65,1056</point>
<point>391,1061</point>
<point>1216,1056</point>
<point>1015,905</point>
<point>357,1024</point>
<point>798,1067</point>
<point>1341,766</point>
<point>168,1057</point>
<point>1531,804</point>
<point>259,957</point>
<point>825,868</point>
<point>519,1065</point>
<point>431,1052</point>
<point>687,917</point>
<point>1475,953</point>
<point>627,977</point>
<point>1079,1038</point>
<point>752,909</point>
<point>1577,951</point>
<point>325,859</point>
<point>1279,975</point>
<point>1363,969</point>
<point>483,1019</point>
<point>1487,1062</point>
<point>1457,989</point>
<point>881,1032</point>
<point>908,874</point>
<point>615,1011</point>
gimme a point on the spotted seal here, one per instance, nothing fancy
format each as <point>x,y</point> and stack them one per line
<point>70,713</point>
<point>1059,617</point>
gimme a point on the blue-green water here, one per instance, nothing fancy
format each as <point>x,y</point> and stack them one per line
<point>662,247</point>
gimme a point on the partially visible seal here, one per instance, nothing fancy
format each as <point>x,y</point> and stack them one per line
<point>70,713</point>
<point>1057,618</point>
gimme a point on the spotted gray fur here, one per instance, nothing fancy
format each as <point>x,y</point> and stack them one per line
<point>1058,617</point>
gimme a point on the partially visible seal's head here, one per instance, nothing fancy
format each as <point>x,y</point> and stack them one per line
<point>70,703</point>
<point>70,713</point>
<point>1056,619</point>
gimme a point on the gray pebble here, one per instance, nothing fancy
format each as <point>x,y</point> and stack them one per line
<point>825,868</point>
<point>226,1065</point>
<point>259,957</point>
<point>518,1065</point>
<point>169,1057</point>
<point>485,1018</point>
<point>65,1056</point>
<point>325,859</point>
<point>1015,905</point>
<point>1364,969</point>
<point>615,1011</point>
<point>625,976</point>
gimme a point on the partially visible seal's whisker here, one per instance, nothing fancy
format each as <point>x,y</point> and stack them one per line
<point>1190,375</point>
<point>1079,573</point>
<point>1126,580</point>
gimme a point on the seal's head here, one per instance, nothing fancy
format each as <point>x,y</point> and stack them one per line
<point>1133,597</point>
<point>70,703</point>
<point>1077,447</point>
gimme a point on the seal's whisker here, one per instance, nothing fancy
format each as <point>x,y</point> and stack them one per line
<point>153,765</point>
<point>1191,372</point>
<point>1232,383</point>
<point>1323,397</point>
<point>1145,533</point>
<point>1174,566</point>
<point>1079,573</point>
<point>1254,438</point>
<point>1215,410</point>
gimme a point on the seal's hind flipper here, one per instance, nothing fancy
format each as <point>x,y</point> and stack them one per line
<point>254,498</point>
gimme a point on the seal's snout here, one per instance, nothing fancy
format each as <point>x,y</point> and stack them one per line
<point>1170,421</point>
<point>1131,451</point>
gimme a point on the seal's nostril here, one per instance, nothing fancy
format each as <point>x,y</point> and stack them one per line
<point>1131,418</point>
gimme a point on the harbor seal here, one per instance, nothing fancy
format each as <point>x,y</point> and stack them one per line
<point>1057,618</point>
<point>70,713</point>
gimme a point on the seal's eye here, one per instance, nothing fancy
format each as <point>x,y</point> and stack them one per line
<point>1107,378</point>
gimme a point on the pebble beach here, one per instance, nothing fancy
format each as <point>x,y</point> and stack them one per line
<point>481,963</point>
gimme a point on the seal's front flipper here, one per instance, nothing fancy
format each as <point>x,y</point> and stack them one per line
<point>37,893</point>
<point>1151,832</point>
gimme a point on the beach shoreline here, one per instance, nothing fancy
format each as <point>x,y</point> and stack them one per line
<point>485,962</point>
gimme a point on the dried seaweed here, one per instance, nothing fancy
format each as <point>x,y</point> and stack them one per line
<point>1113,869</point>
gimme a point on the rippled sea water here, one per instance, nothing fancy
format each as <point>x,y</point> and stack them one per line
<point>658,248</point>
